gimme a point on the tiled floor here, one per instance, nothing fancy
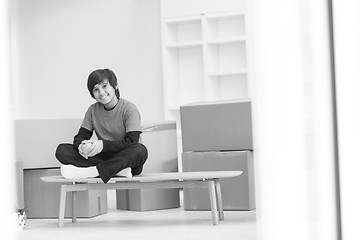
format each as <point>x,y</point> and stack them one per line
<point>169,224</point>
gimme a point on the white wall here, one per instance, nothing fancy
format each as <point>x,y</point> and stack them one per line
<point>7,206</point>
<point>57,43</point>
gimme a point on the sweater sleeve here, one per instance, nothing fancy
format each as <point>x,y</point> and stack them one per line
<point>131,137</point>
<point>83,134</point>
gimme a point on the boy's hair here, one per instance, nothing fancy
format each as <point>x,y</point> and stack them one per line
<point>98,76</point>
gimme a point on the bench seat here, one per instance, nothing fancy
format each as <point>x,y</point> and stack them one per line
<point>207,179</point>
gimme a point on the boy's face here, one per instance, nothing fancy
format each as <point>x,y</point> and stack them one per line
<point>104,93</point>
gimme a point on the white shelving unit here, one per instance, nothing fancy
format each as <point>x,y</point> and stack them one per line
<point>204,58</point>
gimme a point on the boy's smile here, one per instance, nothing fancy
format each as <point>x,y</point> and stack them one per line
<point>104,93</point>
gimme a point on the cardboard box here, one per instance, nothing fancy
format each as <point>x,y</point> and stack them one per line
<point>216,126</point>
<point>238,193</point>
<point>161,142</point>
<point>42,199</point>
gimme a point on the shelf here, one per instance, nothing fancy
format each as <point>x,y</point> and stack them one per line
<point>204,59</point>
<point>184,30</point>
<point>223,87</point>
<point>226,58</point>
<point>228,15</point>
<point>225,26</point>
<point>183,20</point>
<point>227,73</point>
<point>184,44</point>
<point>227,41</point>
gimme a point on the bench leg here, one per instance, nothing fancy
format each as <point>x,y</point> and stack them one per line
<point>219,199</point>
<point>73,201</point>
<point>62,206</point>
<point>213,202</point>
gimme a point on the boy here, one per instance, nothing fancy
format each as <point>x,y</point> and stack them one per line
<point>116,122</point>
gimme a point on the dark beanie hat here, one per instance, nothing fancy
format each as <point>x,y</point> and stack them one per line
<point>98,76</point>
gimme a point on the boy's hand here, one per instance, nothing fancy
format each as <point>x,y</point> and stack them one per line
<point>95,148</point>
<point>84,148</point>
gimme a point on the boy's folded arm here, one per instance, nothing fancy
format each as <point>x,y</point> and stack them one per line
<point>82,135</point>
<point>116,146</point>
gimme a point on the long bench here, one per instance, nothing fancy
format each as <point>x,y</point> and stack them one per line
<point>208,179</point>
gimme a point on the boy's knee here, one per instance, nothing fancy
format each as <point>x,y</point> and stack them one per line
<point>141,150</point>
<point>61,152</point>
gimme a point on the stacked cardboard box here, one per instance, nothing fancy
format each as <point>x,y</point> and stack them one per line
<point>161,142</point>
<point>218,136</point>
<point>42,199</point>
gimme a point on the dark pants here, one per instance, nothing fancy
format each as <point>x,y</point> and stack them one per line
<point>107,164</point>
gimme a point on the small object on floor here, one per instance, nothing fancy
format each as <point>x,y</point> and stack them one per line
<point>19,219</point>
